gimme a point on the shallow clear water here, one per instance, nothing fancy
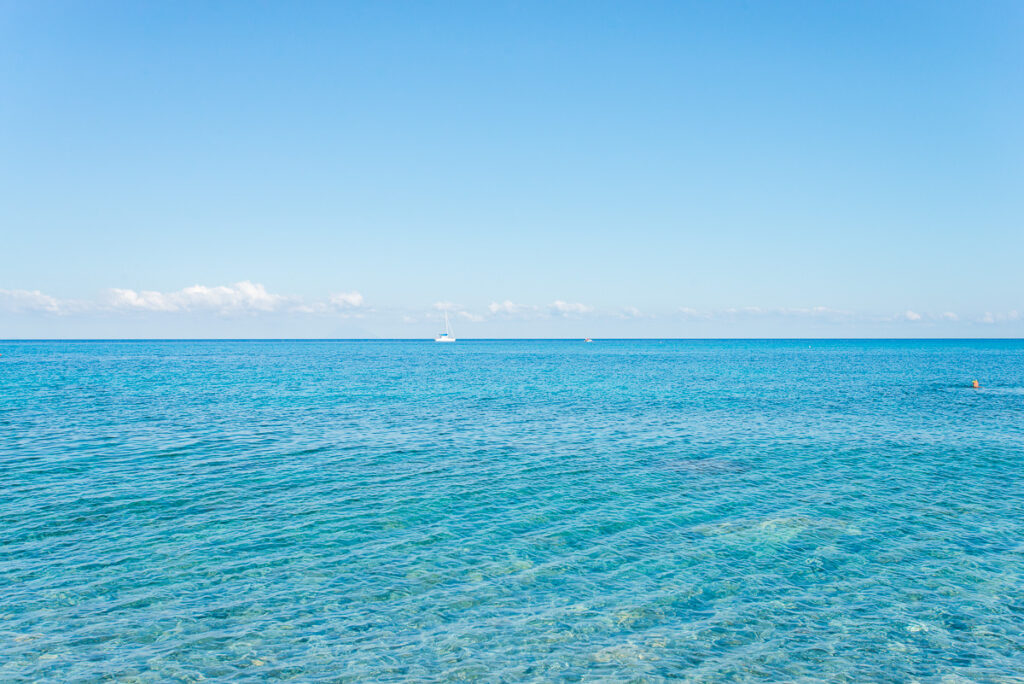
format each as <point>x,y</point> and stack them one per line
<point>512,511</point>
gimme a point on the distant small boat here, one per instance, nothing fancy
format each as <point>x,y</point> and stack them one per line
<point>587,339</point>
<point>447,335</point>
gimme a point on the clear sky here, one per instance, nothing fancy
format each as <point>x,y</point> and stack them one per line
<point>685,169</point>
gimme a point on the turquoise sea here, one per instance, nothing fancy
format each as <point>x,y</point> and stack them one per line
<point>508,511</point>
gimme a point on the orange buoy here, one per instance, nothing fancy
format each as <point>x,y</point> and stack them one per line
<point>974,384</point>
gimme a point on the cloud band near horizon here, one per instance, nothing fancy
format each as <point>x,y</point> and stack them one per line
<point>246,298</point>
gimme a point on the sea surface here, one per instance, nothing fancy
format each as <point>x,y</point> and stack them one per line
<point>512,511</point>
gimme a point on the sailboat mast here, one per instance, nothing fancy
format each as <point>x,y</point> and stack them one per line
<point>446,336</point>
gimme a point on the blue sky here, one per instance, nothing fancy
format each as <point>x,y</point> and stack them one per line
<point>197,169</point>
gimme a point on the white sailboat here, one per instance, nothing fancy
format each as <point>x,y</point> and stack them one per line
<point>447,335</point>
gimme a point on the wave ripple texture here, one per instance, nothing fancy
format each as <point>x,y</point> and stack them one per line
<point>697,511</point>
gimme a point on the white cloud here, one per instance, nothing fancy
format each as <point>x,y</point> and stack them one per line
<point>565,308</point>
<point>457,312</point>
<point>338,303</point>
<point>902,317</point>
<point>29,300</point>
<point>246,297</point>
<point>147,300</point>
<point>346,300</point>
<point>814,312</point>
<point>509,307</point>
<point>1007,317</point>
<point>633,312</point>
<point>243,297</point>
<point>744,310</point>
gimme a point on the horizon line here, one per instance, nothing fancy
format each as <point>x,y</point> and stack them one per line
<point>489,339</point>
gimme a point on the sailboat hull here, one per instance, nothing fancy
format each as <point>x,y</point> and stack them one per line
<point>446,336</point>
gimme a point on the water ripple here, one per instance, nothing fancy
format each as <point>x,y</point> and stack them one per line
<point>512,511</point>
